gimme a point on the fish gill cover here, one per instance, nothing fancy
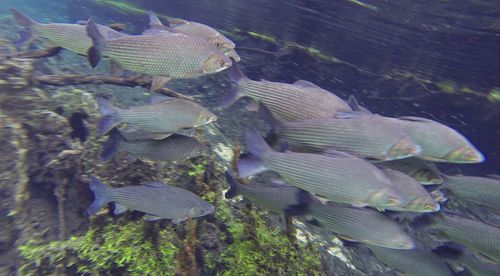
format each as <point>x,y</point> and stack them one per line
<point>359,104</point>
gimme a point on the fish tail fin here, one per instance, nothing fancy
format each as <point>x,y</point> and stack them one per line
<point>235,74</point>
<point>233,186</point>
<point>268,117</point>
<point>305,199</point>
<point>100,195</point>
<point>25,35</point>
<point>93,53</point>
<point>230,97</point>
<point>154,21</point>
<point>257,147</point>
<point>108,113</point>
<point>111,146</point>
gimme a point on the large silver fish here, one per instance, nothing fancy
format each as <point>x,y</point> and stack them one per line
<point>193,28</point>
<point>480,190</point>
<point>367,136</point>
<point>360,224</point>
<point>173,148</point>
<point>415,262</point>
<point>479,237</point>
<point>288,102</point>
<point>157,200</point>
<point>164,117</point>
<point>337,176</point>
<point>278,199</point>
<point>165,56</point>
<point>439,143</point>
<point>72,37</point>
<point>423,171</point>
<point>417,197</point>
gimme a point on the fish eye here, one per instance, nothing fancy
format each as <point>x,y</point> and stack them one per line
<point>218,44</point>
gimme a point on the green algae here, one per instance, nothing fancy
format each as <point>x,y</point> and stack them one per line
<point>263,249</point>
<point>263,37</point>
<point>447,86</point>
<point>123,7</point>
<point>198,169</point>
<point>114,247</point>
<point>494,95</point>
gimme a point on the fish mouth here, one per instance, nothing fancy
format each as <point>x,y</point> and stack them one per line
<point>404,148</point>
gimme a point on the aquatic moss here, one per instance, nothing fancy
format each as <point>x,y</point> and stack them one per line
<point>121,6</point>
<point>198,169</point>
<point>447,86</point>
<point>115,247</point>
<point>264,37</point>
<point>269,252</point>
<point>494,95</point>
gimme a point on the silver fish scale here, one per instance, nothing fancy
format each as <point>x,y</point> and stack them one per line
<point>275,199</point>
<point>478,236</point>
<point>481,190</point>
<point>169,149</point>
<point>415,262</point>
<point>198,29</point>
<point>72,37</point>
<point>365,136</point>
<point>173,55</point>
<point>410,187</point>
<point>170,202</point>
<point>436,140</point>
<point>292,102</point>
<point>165,117</point>
<point>361,224</point>
<point>342,180</point>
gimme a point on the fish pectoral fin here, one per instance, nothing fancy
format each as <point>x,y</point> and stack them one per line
<point>119,209</point>
<point>116,70</point>
<point>178,220</point>
<point>306,84</point>
<point>161,136</point>
<point>149,217</point>
<point>158,82</point>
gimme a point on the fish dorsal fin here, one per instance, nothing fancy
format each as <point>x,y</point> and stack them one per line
<point>306,84</point>
<point>354,105</point>
<point>160,99</point>
<point>416,119</point>
<point>336,153</point>
<point>157,185</point>
<point>154,21</point>
<point>493,176</point>
<point>177,21</point>
<point>158,82</point>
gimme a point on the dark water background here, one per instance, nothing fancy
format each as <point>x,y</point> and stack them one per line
<point>398,59</point>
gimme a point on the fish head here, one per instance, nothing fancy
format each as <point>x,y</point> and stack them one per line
<point>231,53</point>
<point>423,204</point>
<point>387,197</point>
<point>404,148</point>
<point>216,63</point>
<point>203,208</point>
<point>205,117</point>
<point>467,154</point>
<point>222,42</point>
<point>426,176</point>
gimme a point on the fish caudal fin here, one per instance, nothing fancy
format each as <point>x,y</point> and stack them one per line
<point>233,186</point>
<point>93,53</point>
<point>111,146</point>
<point>108,113</point>
<point>100,195</point>
<point>25,35</point>
<point>257,147</point>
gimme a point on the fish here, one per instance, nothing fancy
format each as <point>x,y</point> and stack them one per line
<point>366,136</point>
<point>279,199</point>
<point>336,176</point>
<point>414,262</point>
<point>72,37</point>
<point>162,117</point>
<point>461,258</point>
<point>288,102</point>
<point>439,142</point>
<point>483,191</point>
<point>157,200</point>
<point>423,171</point>
<point>481,238</point>
<point>359,224</point>
<point>195,29</point>
<point>165,56</point>
<point>418,199</point>
<point>173,148</point>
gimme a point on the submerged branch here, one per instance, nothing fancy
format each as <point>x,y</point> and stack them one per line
<point>40,53</point>
<point>76,79</point>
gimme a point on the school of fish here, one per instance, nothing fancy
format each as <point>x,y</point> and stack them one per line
<point>341,168</point>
